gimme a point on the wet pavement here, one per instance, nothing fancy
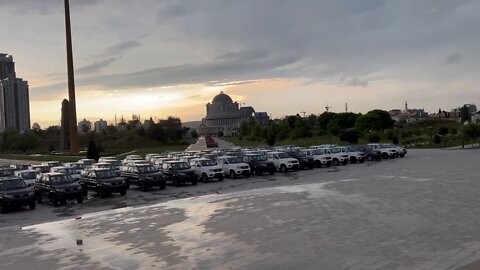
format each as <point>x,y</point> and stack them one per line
<point>419,212</point>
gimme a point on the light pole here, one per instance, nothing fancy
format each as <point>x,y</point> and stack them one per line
<point>71,83</point>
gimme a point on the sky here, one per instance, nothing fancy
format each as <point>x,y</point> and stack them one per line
<point>170,57</point>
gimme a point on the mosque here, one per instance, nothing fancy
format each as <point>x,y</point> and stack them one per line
<point>224,116</point>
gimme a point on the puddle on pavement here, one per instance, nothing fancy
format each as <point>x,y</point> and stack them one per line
<point>129,237</point>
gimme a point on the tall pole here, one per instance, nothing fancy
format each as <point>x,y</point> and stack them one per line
<point>71,83</point>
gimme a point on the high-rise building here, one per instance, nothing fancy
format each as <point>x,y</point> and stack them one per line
<point>84,126</point>
<point>14,97</point>
<point>7,66</point>
<point>100,125</point>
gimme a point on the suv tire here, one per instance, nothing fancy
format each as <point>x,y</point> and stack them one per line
<point>283,168</point>
<point>335,162</point>
<point>232,174</point>
<point>204,178</point>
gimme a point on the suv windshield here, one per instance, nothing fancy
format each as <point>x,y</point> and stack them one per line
<point>146,169</point>
<point>300,154</point>
<point>234,160</point>
<point>29,175</point>
<point>336,150</point>
<point>105,174</point>
<point>6,172</point>
<point>180,165</point>
<point>61,179</point>
<point>283,155</point>
<point>258,157</point>
<point>206,163</point>
<point>12,184</point>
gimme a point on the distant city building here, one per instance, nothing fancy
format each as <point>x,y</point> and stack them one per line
<point>100,125</point>
<point>65,127</point>
<point>246,112</point>
<point>84,126</point>
<point>14,97</point>
<point>472,108</point>
<point>262,118</point>
<point>408,115</point>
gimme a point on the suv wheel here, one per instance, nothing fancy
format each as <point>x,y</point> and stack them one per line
<point>353,159</point>
<point>176,182</point>
<point>39,198</point>
<point>335,162</point>
<point>384,155</point>
<point>232,174</point>
<point>143,186</point>
<point>54,200</point>
<point>318,164</point>
<point>163,185</point>
<point>370,158</point>
<point>204,178</point>
<point>283,168</point>
<point>3,208</point>
<point>32,205</point>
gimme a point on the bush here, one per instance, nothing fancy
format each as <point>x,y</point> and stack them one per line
<point>373,137</point>
<point>437,139</point>
<point>92,151</point>
<point>350,135</point>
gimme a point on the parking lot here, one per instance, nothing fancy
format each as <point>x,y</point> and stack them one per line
<point>417,212</point>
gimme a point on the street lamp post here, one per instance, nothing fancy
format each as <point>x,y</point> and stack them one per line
<point>71,83</point>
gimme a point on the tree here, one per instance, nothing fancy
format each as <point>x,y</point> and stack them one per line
<point>471,131</point>
<point>92,151</point>
<point>325,118</point>
<point>374,120</point>
<point>465,114</point>
<point>194,134</point>
<point>437,139</point>
<point>443,130</point>
<point>373,137</point>
<point>350,135</point>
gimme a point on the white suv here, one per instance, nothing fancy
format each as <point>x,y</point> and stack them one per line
<point>233,166</point>
<point>29,176</point>
<point>206,169</point>
<point>387,151</point>
<point>283,162</point>
<point>322,158</point>
<point>338,156</point>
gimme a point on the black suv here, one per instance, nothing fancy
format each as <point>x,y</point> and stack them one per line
<point>15,193</point>
<point>58,188</point>
<point>178,172</point>
<point>259,164</point>
<point>370,153</point>
<point>304,161</point>
<point>7,171</point>
<point>143,175</point>
<point>103,181</point>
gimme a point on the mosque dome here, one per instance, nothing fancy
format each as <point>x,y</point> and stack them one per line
<point>221,99</point>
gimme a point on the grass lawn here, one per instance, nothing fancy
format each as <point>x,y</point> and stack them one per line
<point>120,153</point>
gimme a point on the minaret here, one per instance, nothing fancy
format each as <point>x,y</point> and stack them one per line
<point>406,107</point>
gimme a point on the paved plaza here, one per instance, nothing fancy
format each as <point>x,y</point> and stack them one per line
<point>417,212</point>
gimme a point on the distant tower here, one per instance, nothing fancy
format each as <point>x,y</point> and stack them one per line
<point>346,107</point>
<point>406,106</point>
<point>65,126</point>
<point>327,108</point>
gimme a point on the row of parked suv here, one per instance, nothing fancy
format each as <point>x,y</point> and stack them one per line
<point>56,183</point>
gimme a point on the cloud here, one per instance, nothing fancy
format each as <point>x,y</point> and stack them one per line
<point>45,7</point>
<point>97,66</point>
<point>123,47</point>
<point>453,58</point>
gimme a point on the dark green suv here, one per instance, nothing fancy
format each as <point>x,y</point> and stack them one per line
<point>58,188</point>
<point>14,192</point>
<point>103,181</point>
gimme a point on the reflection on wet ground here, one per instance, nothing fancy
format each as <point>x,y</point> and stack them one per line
<point>397,216</point>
